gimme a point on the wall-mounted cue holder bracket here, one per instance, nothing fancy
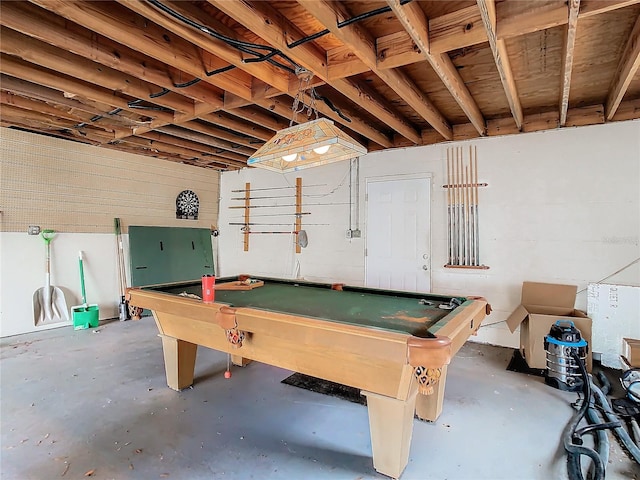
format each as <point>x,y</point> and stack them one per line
<point>247,224</point>
<point>463,213</point>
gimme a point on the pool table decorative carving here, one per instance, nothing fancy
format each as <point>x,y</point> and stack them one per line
<point>394,346</point>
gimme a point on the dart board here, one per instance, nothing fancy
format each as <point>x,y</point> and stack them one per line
<point>187,205</point>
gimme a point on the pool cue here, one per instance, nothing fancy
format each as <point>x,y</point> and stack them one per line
<point>471,206</point>
<point>291,205</point>
<point>468,209</point>
<point>462,216</point>
<point>276,188</point>
<point>279,214</point>
<point>454,194</point>
<point>265,224</point>
<point>475,156</point>
<point>271,233</point>
<point>258,198</point>
<point>449,233</point>
<point>458,211</point>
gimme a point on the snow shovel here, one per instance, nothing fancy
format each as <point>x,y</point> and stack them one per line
<point>49,304</point>
<point>84,316</point>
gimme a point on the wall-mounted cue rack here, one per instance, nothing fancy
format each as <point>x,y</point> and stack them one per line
<point>463,213</point>
<point>248,207</point>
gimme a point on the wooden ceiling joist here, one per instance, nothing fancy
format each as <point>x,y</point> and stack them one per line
<point>415,23</point>
<point>118,23</point>
<point>47,95</point>
<point>225,120</point>
<point>168,78</point>
<point>330,14</point>
<point>277,32</point>
<point>53,58</point>
<point>236,151</point>
<point>182,151</point>
<point>219,133</point>
<point>37,23</point>
<point>72,87</point>
<point>204,149</point>
<point>567,59</point>
<point>627,68</point>
<point>77,116</point>
<point>501,58</point>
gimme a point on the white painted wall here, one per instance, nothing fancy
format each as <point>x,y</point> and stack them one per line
<point>562,206</point>
<point>22,258</point>
<point>78,190</point>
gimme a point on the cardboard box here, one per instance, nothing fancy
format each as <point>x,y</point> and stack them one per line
<point>541,305</point>
<point>631,351</point>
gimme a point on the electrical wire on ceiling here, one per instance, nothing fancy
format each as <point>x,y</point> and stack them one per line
<point>344,23</point>
<point>249,48</point>
<point>245,47</point>
<point>253,48</point>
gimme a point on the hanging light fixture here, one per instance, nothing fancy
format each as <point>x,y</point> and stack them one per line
<point>310,144</point>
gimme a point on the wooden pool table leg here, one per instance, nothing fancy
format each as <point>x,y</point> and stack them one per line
<point>391,425</point>
<point>240,361</point>
<point>179,362</point>
<point>429,407</point>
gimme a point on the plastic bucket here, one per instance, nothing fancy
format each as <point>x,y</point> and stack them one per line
<point>85,317</point>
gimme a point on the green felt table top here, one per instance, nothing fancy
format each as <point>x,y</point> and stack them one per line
<point>382,309</point>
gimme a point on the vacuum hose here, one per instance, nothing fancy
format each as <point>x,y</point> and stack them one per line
<point>619,431</point>
<point>573,442</point>
<point>572,436</point>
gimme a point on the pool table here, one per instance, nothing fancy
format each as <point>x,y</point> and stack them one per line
<point>392,345</point>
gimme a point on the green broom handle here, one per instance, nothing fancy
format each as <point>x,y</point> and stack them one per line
<point>84,297</point>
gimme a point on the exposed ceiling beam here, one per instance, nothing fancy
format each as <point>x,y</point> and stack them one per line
<point>627,68</point>
<point>55,97</point>
<point>260,117</point>
<point>499,50</point>
<point>464,28</point>
<point>330,14</point>
<point>414,22</point>
<point>233,123</point>
<point>211,131</point>
<point>118,24</point>
<point>239,152</point>
<point>278,29</point>
<point>188,153</point>
<point>595,7</point>
<point>77,116</point>
<point>35,22</point>
<point>46,122</point>
<point>567,59</point>
<point>458,29</point>
<point>72,87</point>
<point>205,149</point>
<point>520,18</point>
<point>53,58</point>
<point>262,70</point>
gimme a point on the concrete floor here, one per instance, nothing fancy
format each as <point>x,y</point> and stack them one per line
<point>96,400</point>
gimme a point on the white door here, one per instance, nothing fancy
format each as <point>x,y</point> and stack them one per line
<point>398,234</point>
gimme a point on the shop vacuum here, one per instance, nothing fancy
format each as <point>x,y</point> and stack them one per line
<point>563,372</point>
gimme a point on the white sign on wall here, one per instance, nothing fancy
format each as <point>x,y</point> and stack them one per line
<point>615,311</point>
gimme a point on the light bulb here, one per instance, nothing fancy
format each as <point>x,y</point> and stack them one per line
<point>289,158</point>
<point>322,150</point>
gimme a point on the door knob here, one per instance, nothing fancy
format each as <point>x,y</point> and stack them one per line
<point>424,267</point>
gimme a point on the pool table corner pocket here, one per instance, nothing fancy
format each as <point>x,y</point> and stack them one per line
<point>428,356</point>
